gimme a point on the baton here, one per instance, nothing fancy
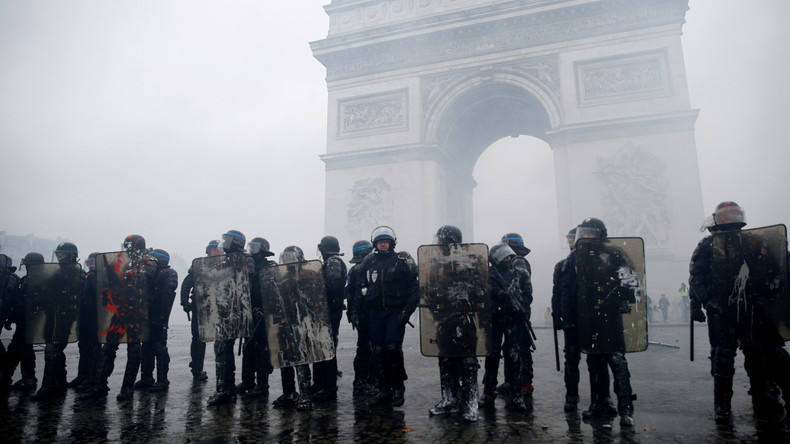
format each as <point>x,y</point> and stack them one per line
<point>188,318</point>
<point>691,338</point>
<point>664,345</point>
<point>556,350</point>
<point>410,324</point>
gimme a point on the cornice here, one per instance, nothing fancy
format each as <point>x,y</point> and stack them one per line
<point>486,30</point>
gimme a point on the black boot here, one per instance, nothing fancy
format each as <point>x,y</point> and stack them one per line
<point>448,403</point>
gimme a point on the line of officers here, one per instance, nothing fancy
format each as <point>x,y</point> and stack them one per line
<point>381,292</point>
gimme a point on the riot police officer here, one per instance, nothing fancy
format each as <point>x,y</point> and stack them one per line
<point>334,271</point>
<point>197,348</point>
<point>511,294</point>
<point>13,312</point>
<point>390,291</point>
<point>457,375</point>
<point>139,271</point>
<point>597,363</point>
<point>516,242</point>
<point>255,364</point>
<point>303,399</point>
<point>365,380</point>
<point>53,382</point>
<point>563,321</point>
<point>726,281</point>
<point>232,244</point>
<point>160,303</point>
<point>88,343</point>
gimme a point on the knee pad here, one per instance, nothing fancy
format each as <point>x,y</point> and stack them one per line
<point>723,361</point>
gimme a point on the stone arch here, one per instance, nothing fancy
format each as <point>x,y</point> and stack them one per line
<point>418,90</point>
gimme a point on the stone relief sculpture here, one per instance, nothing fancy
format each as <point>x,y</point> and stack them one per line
<point>634,195</point>
<point>370,206</point>
<point>382,112</point>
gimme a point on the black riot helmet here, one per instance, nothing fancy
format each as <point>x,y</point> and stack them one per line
<point>329,245</point>
<point>571,238</point>
<point>232,241</point>
<point>500,253</point>
<point>291,254</point>
<point>361,249</point>
<point>32,259</point>
<point>161,257</point>
<point>91,261</point>
<point>591,228</point>
<point>516,242</point>
<point>259,247</point>
<point>133,242</point>
<point>728,215</point>
<point>212,249</point>
<point>66,252</point>
<point>383,233</point>
<point>449,234</point>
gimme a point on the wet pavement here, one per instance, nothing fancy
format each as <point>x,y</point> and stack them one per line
<point>675,404</point>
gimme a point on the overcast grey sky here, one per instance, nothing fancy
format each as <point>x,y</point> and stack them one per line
<point>179,120</point>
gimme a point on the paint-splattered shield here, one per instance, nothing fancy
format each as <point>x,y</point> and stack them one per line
<point>749,275</point>
<point>297,314</point>
<point>611,295</point>
<point>455,314</point>
<point>222,296</point>
<point>122,297</point>
<point>52,308</point>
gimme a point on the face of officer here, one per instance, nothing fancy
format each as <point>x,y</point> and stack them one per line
<point>383,245</point>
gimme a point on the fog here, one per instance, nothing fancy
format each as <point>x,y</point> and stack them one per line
<point>180,120</point>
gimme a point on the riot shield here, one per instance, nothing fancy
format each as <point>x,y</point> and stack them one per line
<point>296,314</point>
<point>749,278</point>
<point>122,297</point>
<point>612,300</point>
<point>222,297</point>
<point>52,308</point>
<point>455,314</point>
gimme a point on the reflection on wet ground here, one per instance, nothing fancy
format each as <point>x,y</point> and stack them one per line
<point>675,404</point>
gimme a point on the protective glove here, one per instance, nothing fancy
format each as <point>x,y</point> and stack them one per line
<point>257,313</point>
<point>697,315</point>
<point>186,308</point>
<point>353,319</point>
<point>625,307</point>
<point>404,317</point>
<point>557,322</point>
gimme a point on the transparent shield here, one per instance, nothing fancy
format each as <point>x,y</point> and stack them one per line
<point>52,306</point>
<point>749,278</point>
<point>455,314</point>
<point>222,297</point>
<point>297,314</point>
<point>612,298</point>
<point>121,297</point>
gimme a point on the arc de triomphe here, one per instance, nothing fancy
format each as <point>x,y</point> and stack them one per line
<point>418,89</point>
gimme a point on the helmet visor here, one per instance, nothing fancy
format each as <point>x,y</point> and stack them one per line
<point>501,252</point>
<point>254,247</point>
<point>587,233</point>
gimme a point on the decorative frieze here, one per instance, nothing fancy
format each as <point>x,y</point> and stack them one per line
<point>626,77</point>
<point>373,114</point>
<point>400,48</point>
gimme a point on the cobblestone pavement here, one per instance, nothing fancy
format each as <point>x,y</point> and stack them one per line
<point>675,404</point>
